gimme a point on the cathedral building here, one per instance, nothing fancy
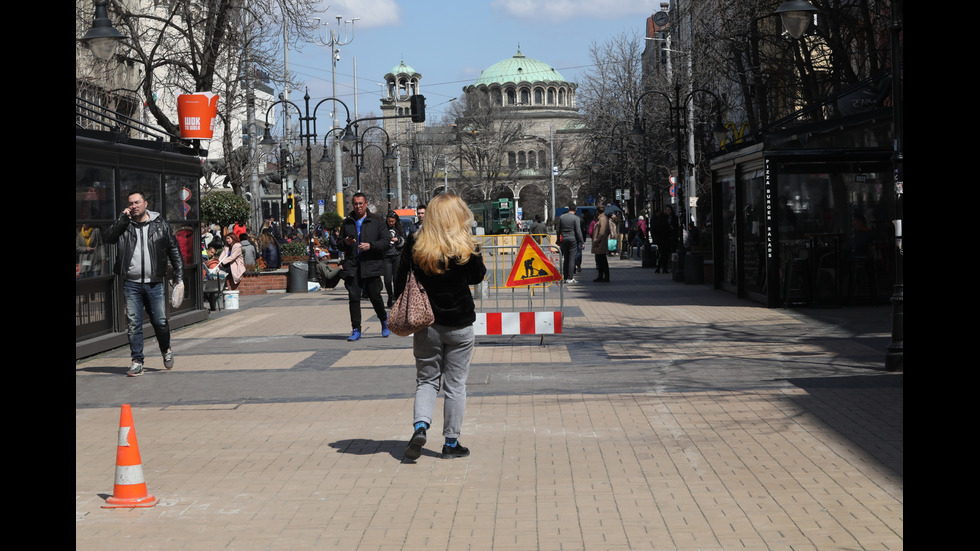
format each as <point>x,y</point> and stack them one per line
<point>517,134</point>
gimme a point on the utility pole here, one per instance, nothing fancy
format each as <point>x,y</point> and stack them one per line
<point>332,39</point>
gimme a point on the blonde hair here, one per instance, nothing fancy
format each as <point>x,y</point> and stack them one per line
<point>445,234</point>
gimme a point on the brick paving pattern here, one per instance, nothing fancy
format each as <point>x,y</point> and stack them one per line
<point>666,417</point>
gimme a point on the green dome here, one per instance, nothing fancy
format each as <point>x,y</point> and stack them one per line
<point>519,69</point>
<point>402,69</point>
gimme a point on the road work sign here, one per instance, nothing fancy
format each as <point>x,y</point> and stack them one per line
<point>531,266</point>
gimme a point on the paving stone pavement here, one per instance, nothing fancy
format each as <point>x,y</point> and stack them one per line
<point>665,417</point>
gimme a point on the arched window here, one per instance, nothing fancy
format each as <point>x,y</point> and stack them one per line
<point>561,96</point>
<point>538,96</point>
<point>511,97</point>
<point>525,96</point>
<point>532,160</point>
<point>512,160</point>
<point>551,96</point>
<point>521,160</point>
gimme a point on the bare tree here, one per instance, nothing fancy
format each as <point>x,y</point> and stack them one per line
<point>484,135</point>
<point>184,46</point>
<point>608,96</point>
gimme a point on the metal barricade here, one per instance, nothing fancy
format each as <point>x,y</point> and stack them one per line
<point>534,309</point>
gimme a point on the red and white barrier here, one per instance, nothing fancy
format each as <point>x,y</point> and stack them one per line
<point>517,323</point>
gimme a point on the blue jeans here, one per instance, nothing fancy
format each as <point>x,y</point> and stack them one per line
<point>152,297</point>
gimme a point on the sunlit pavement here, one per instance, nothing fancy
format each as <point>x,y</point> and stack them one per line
<point>665,416</point>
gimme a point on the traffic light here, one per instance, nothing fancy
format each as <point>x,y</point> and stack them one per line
<point>290,210</point>
<point>417,103</point>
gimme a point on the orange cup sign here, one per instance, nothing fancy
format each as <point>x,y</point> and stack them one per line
<point>197,113</point>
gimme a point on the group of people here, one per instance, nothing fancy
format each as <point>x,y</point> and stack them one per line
<point>605,231</point>
<point>439,252</point>
<point>442,256</point>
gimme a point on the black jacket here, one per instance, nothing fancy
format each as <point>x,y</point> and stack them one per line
<point>160,242</point>
<point>371,261</point>
<point>449,292</point>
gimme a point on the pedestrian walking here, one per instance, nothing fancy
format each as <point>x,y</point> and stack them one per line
<point>393,256</point>
<point>443,258</point>
<point>364,238</point>
<point>569,229</point>
<point>539,229</point>
<point>146,242</point>
<point>600,244</point>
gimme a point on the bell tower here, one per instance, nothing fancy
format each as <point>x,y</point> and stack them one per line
<point>401,83</point>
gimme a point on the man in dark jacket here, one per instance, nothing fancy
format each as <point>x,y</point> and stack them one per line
<point>569,227</point>
<point>145,244</point>
<point>364,238</point>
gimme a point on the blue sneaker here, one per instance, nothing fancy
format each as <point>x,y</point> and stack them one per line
<point>355,335</point>
<point>384,329</point>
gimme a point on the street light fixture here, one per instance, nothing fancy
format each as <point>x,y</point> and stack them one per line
<point>678,123</point>
<point>796,16</point>
<point>333,38</point>
<point>310,135</point>
<point>388,159</point>
<point>102,39</point>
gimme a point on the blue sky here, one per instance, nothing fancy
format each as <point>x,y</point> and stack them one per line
<point>451,42</point>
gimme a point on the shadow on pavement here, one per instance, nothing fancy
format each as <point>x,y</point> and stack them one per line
<point>866,409</point>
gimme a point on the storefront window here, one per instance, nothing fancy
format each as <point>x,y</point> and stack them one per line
<point>840,219</point>
<point>753,245</point>
<point>94,212</point>
<point>93,193</point>
<point>147,182</point>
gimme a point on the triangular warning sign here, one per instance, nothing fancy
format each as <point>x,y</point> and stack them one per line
<point>531,266</point>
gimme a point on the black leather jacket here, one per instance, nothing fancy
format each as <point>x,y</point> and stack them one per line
<point>161,243</point>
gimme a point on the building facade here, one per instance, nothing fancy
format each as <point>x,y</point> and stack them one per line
<point>517,135</point>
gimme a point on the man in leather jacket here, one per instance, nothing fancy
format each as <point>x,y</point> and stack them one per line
<point>364,239</point>
<point>145,243</point>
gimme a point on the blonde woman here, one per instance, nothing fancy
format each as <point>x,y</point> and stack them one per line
<point>443,258</point>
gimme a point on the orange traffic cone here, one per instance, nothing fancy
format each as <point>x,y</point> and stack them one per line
<point>130,488</point>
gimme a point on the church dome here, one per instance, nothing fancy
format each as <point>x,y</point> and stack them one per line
<point>402,69</point>
<point>519,69</point>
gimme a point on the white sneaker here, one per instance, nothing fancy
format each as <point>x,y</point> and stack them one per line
<point>572,281</point>
<point>135,370</point>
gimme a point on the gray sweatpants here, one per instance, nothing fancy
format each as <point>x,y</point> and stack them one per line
<point>442,355</point>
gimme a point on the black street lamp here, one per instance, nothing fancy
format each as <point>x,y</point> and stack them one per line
<point>102,39</point>
<point>387,156</point>
<point>678,123</point>
<point>310,135</point>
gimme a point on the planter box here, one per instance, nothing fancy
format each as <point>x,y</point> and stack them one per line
<point>260,283</point>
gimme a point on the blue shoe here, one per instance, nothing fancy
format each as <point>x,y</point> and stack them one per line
<point>384,329</point>
<point>355,335</point>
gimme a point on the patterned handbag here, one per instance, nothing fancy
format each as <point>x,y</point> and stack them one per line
<point>412,311</point>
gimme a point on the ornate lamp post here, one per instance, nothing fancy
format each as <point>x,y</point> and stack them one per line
<point>678,123</point>
<point>309,134</point>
